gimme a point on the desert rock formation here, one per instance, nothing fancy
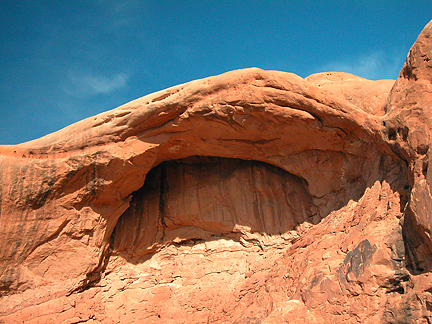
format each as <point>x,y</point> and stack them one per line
<point>249,197</point>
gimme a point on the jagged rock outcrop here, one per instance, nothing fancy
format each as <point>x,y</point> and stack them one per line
<point>249,197</point>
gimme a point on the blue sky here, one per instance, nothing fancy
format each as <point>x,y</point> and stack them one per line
<point>63,61</point>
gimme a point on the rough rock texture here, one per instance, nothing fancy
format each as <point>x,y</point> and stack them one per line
<point>249,197</point>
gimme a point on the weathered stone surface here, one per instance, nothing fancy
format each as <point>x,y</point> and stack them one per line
<point>249,197</point>
<point>408,125</point>
<point>370,96</point>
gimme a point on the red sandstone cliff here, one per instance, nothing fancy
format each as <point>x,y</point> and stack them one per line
<point>249,197</point>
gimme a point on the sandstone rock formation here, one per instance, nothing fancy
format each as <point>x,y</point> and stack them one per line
<point>249,197</point>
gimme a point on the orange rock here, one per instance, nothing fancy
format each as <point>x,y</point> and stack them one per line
<point>249,197</point>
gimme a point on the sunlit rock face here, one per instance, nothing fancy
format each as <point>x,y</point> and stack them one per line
<point>249,197</point>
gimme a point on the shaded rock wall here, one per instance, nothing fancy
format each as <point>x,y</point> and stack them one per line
<point>199,197</point>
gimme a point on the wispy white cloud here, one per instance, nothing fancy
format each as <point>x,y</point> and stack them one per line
<point>103,84</point>
<point>373,66</point>
<point>87,84</point>
<point>120,12</point>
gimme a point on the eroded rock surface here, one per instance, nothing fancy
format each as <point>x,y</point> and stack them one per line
<point>249,197</point>
<point>195,199</point>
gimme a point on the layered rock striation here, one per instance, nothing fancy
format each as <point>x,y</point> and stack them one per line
<point>249,197</point>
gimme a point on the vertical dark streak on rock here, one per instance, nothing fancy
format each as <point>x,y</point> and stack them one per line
<point>1,191</point>
<point>163,190</point>
<point>412,242</point>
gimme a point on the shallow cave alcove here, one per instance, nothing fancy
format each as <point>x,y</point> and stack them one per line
<point>203,197</point>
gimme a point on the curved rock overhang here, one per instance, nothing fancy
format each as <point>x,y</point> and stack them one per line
<point>200,198</point>
<point>65,192</point>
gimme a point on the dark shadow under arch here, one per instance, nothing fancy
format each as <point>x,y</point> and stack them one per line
<point>203,198</point>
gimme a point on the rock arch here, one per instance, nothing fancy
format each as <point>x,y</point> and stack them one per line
<point>87,174</point>
<point>271,117</point>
